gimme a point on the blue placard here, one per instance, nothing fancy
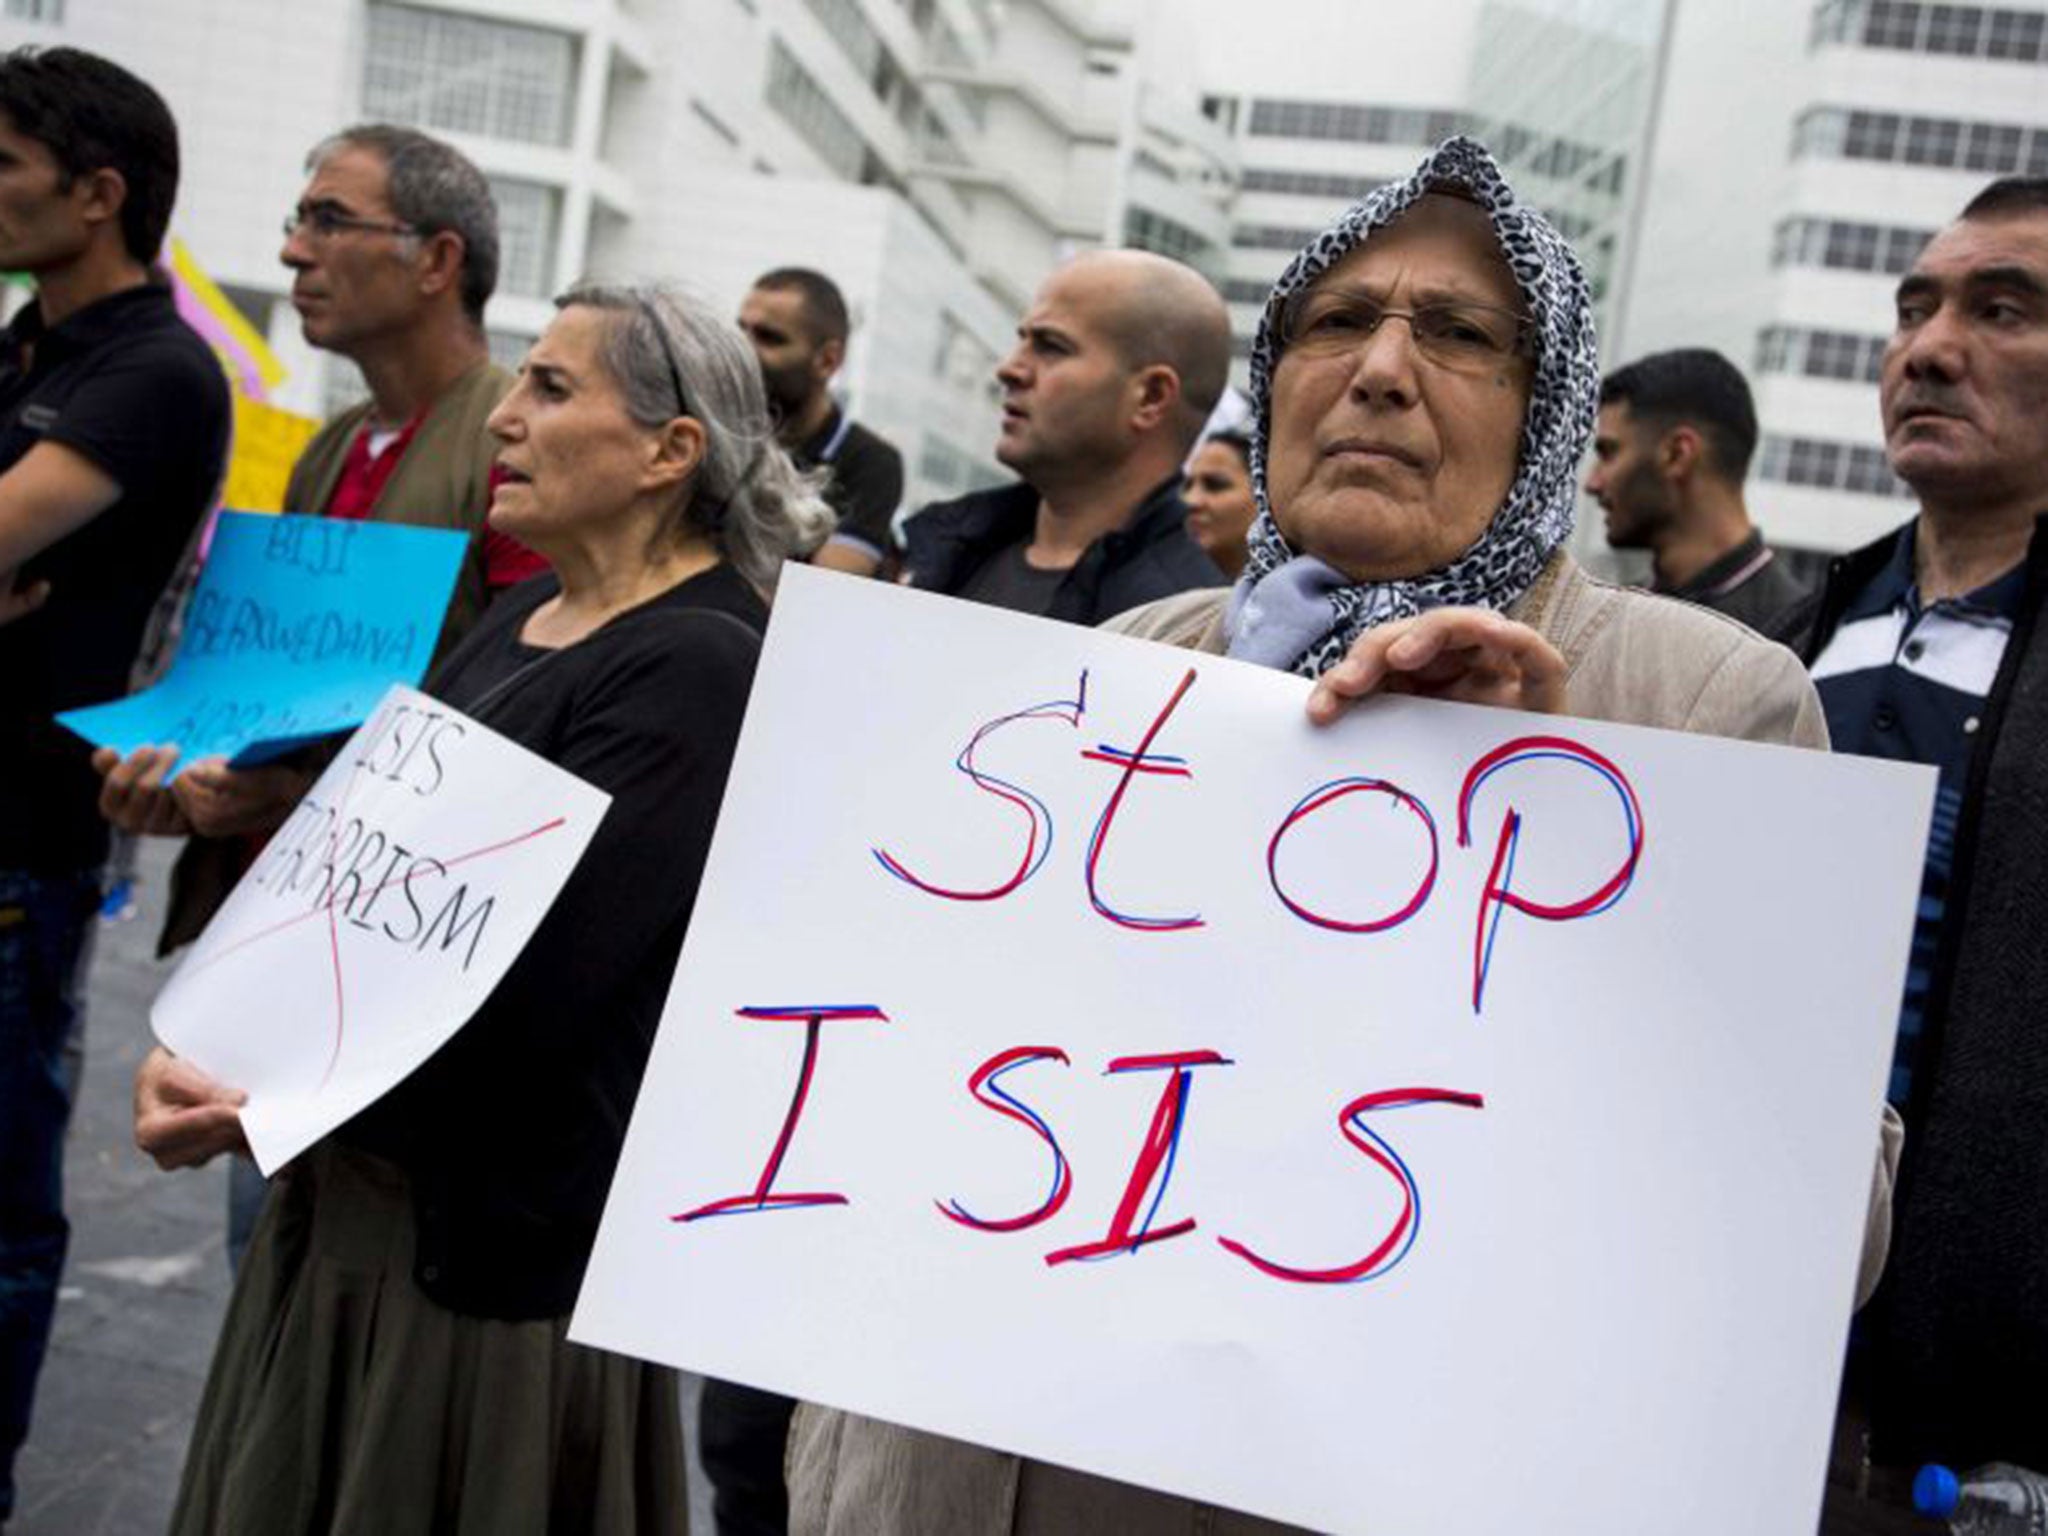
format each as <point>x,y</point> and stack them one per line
<point>298,626</point>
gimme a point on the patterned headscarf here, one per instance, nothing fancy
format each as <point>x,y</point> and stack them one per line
<point>1291,609</point>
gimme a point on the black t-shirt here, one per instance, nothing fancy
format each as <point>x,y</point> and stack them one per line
<point>130,386</point>
<point>511,1132</point>
<point>1007,580</point>
<point>866,486</point>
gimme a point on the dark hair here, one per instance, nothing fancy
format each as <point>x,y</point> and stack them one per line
<point>434,188</point>
<point>1697,387</point>
<point>92,115</point>
<point>824,304</point>
<point>2009,195</point>
<point>1232,439</point>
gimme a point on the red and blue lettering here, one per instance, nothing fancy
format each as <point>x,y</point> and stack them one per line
<point>1143,760</point>
<point>1038,840</point>
<point>1154,1168</point>
<point>987,1088</point>
<point>763,1196</point>
<point>1326,794</point>
<point>1392,1248</point>
<point>1499,895</point>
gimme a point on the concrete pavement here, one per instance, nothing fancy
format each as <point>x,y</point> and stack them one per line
<point>145,1286</point>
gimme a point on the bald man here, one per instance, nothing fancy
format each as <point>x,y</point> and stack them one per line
<point>1117,366</point>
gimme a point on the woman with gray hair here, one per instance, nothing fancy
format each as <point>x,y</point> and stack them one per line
<point>394,1357</point>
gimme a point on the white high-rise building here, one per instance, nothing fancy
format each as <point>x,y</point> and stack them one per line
<point>1330,104</point>
<point>936,157</point>
<point>1803,156</point>
<point>1321,105</point>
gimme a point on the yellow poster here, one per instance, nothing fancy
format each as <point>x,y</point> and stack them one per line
<point>268,441</point>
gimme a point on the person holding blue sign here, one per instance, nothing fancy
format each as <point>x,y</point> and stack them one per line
<point>113,435</point>
<point>396,1337</point>
<point>393,248</point>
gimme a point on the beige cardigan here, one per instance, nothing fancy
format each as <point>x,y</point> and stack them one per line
<point>1632,658</point>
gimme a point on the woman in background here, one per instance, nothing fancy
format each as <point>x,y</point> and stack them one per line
<point>1218,491</point>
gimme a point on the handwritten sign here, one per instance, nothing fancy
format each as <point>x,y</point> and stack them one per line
<point>1453,1121</point>
<point>298,626</point>
<point>377,919</point>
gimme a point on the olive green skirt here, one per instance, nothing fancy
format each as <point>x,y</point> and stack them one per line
<point>343,1402</point>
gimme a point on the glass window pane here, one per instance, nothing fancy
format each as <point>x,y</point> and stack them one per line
<point>463,74</point>
<point>526,236</point>
<point>1893,24</point>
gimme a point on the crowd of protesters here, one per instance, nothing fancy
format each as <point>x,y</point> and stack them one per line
<point>1395,519</point>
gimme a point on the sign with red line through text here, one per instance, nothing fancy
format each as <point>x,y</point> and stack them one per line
<point>376,920</point>
<point>1452,1120</point>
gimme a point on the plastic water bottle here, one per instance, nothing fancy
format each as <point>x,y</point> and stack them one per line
<point>1994,1500</point>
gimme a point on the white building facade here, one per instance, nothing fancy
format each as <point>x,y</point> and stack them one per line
<point>936,157</point>
<point>1804,156</point>
<point>1750,175</point>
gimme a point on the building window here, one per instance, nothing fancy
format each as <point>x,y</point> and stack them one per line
<point>1272,237</point>
<point>1944,143</point>
<point>1351,123</point>
<point>863,48</point>
<point>1956,31</point>
<point>2016,35</point>
<point>1988,146</point>
<point>1800,242</point>
<point>1310,183</point>
<point>461,74</point>
<point>1246,290</point>
<point>1772,349</point>
<point>850,29</point>
<point>1146,230</point>
<point>803,104</point>
<point>51,11</point>
<point>1830,466</point>
<point>527,217</point>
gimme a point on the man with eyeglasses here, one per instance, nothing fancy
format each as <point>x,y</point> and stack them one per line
<point>393,249</point>
<point>113,432</point>
<point>1117,366</point>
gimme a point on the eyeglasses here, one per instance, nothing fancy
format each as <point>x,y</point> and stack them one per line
<point>324,223</point>
<point>1463,336</point>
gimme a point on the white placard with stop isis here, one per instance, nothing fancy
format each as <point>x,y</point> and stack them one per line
<point>376,920</point>
<point>1455,1120</point>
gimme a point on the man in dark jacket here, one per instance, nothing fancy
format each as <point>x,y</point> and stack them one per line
<point>1116,368</point>
<point>1928,646</point>
<point>1676,434</point>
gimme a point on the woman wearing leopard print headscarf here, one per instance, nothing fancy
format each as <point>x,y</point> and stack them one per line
<point>1415,485</point>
